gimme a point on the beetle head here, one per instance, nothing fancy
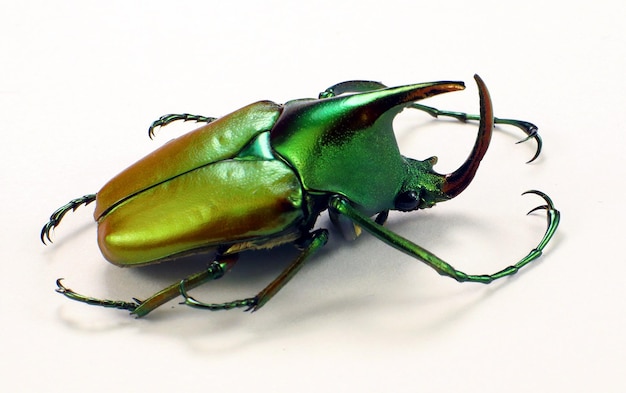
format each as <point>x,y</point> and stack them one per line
<point>423,187</point>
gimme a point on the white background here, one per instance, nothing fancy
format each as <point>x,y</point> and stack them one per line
<point>80,81</point>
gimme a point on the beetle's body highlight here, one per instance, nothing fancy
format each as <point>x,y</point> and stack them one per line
<point>260,177</point>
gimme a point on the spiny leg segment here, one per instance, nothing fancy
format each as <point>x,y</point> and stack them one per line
<point>361,86</point>
<point>312,243</point>
<point>167,119</point>
<point>220,266</point>
<point>343,206</point>
<point>119,304</point>
<point>57,216</point>
<point>216,270</point>
<point>528,128</point>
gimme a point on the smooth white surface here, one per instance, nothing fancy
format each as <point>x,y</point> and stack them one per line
<point>81,81</point>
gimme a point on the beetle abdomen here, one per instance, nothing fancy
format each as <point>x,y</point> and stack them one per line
<point>227,202</point>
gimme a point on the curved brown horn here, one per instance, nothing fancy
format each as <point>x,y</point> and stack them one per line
<point>458,180</point>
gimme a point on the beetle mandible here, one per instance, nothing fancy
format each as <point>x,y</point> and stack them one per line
<point>260,176</point>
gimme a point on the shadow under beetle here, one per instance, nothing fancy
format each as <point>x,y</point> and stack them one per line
<point>260,176</point>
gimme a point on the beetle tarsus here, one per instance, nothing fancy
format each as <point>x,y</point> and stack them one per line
<point>167,119</point>
<point>57,216</point>
<point>254,305</point>
<point>527,127</point>
<point>119,304</point>
<point>549,204</point>
<point>250,303</point>
<point>552,214</point>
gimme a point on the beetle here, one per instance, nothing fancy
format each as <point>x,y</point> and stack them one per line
<point>260,177</point>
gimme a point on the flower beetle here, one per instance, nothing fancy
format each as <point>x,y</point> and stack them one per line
<point>260,176</point>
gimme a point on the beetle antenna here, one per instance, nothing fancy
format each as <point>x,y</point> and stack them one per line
<point>57,216</point>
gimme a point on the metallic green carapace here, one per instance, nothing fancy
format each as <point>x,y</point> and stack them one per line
<point>260,177</point>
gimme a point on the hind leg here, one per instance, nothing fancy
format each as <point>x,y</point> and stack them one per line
<point>167,119</point>
<point>216,270</point>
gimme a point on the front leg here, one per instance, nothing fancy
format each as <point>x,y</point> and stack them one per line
<point>343,206</point>
<point>527,127</point>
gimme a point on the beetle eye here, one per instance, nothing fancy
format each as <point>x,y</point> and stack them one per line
<point>407,201</point>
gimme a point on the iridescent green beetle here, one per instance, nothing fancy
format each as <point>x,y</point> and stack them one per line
<point>260,176</point>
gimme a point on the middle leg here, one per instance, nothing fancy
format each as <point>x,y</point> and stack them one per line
<point>310,245</point>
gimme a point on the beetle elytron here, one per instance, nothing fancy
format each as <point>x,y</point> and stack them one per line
<point>260,176</point>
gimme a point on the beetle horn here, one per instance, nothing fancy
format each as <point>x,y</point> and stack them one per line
<point>457,181</point>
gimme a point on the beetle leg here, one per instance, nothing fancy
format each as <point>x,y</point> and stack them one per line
<point>343,206</point>
<point>190,301</point>
<point>216,270</point>
<point>528,128</point>
<point>311,244</point>
<point>348,228</point>
<point>316,240</point>
<point>119,304</point>
<point>167,119</point>
<point>57,216</point>
<point>351,87</point>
